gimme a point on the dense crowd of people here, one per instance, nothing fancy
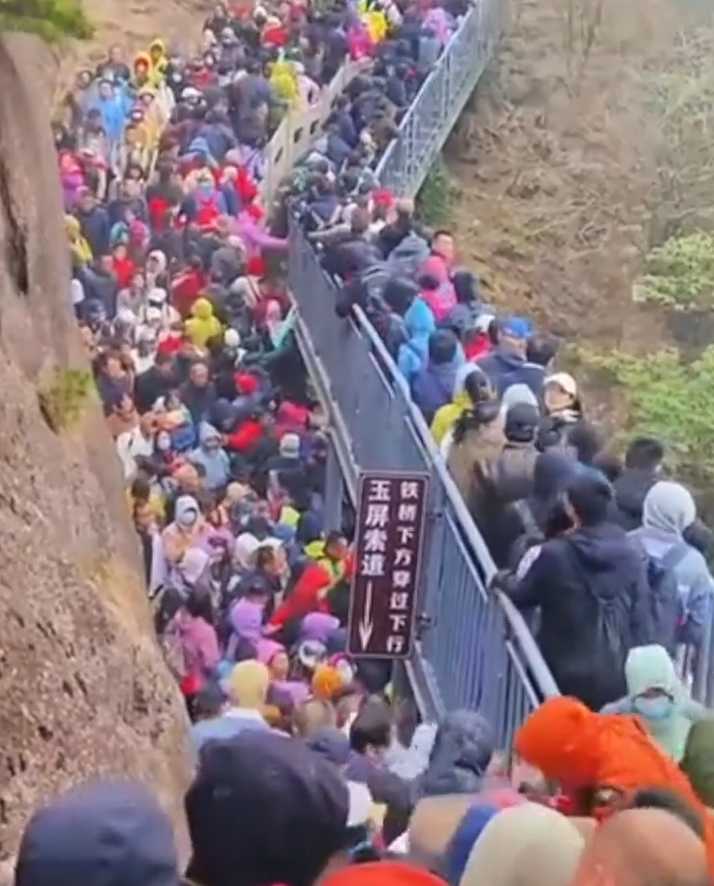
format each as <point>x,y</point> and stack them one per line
<point>307,769</point>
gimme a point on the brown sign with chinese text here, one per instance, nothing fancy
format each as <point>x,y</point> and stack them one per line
<point>390,527</point>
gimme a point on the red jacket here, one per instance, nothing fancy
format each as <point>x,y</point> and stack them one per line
<point>249,433</point>
<point>186,289</point>
<point>305,597</point>
<point>124,270</point>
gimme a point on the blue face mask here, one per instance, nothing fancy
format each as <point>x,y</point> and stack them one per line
<point>658,708</point>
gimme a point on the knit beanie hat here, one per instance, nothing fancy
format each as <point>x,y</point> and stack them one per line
<point>248,684</point>
<point>521,423</point>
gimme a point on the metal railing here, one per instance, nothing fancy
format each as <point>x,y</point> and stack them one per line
<point>473,650</point>
<point>298,129</point>
<point>442,97</point>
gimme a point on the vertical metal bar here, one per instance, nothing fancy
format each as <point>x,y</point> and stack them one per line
<point>334,489</point>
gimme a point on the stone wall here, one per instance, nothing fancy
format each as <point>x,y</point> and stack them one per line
<point>83,687</point>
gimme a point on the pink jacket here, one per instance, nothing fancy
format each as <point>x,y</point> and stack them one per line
<point>200,646</point>
<point>255,237</point>
<point>443,300</point>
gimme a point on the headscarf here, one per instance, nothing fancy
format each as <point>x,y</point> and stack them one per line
<point>650,667</point>
<point>245,547</point>
<point>526,844</point>
<point>519,393</point>
<point>668,507</point>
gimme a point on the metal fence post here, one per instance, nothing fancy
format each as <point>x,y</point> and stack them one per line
<point>334,489</point>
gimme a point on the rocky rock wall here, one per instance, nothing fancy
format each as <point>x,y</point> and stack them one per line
<point>83,687</point>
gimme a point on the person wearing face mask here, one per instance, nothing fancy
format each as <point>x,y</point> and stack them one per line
<point>185,532</point>
<point>655,693</point>
<point>212,457</point>
<point>206,203</point>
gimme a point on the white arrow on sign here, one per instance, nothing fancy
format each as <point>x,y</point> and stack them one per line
<point>366,625</point>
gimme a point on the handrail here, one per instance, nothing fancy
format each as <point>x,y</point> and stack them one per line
<point>473,648</point>
<point>546,684</point>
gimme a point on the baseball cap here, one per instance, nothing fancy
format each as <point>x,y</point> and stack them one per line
<point>516,327</point>
<point>565,381</point>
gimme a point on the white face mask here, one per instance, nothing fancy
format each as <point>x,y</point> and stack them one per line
<point>163,443</point>
<point>187,519</point>
<point>660,707</point>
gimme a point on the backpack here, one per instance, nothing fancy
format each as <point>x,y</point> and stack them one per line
<point>666,608</point>
<point>406,258</point>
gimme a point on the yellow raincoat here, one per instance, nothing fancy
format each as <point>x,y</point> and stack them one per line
<point>448,415</point>
<point>79,246</point>
<point>203,325</point>
<point>284,81</point>
<point>158,64</point>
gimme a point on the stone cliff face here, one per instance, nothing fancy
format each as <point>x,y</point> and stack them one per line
<point>83,687</point>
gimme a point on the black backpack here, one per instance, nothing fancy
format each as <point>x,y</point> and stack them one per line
<point>665,601</point>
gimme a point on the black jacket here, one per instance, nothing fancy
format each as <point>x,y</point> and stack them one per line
<point>198,401</point>
<point>151,385</point>
<point>592,590</point>
<point>631,489</point>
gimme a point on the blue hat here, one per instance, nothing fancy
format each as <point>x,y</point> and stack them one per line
<point>103,833</point>
<point>516,327</point>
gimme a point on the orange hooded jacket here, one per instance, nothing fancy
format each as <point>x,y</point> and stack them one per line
<point>580,749</point>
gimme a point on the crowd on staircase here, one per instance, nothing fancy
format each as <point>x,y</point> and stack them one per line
<point>307,768</point>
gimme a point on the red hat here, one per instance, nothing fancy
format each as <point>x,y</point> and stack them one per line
<point>246,383</point>
<point>383,873</point>
<point>383,197</point>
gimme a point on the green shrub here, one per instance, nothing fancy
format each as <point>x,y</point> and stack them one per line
<point>49,19</point>
<point>64,397</point>
<point>679,274</point>
<point>435,200</point>
<point>669,399</point>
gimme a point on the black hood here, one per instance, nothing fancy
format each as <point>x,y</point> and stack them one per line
<point>599,549</point>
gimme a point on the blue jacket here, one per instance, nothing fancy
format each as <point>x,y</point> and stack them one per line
<point>691,573</point>
<point>433,387</point>
<point>215,462</point>
<point>414,353</point>
<point>113,114</point>
<point>95,229</point>
<point>506,368</point>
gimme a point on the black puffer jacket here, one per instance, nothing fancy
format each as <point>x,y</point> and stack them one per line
<point>592,590</point>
